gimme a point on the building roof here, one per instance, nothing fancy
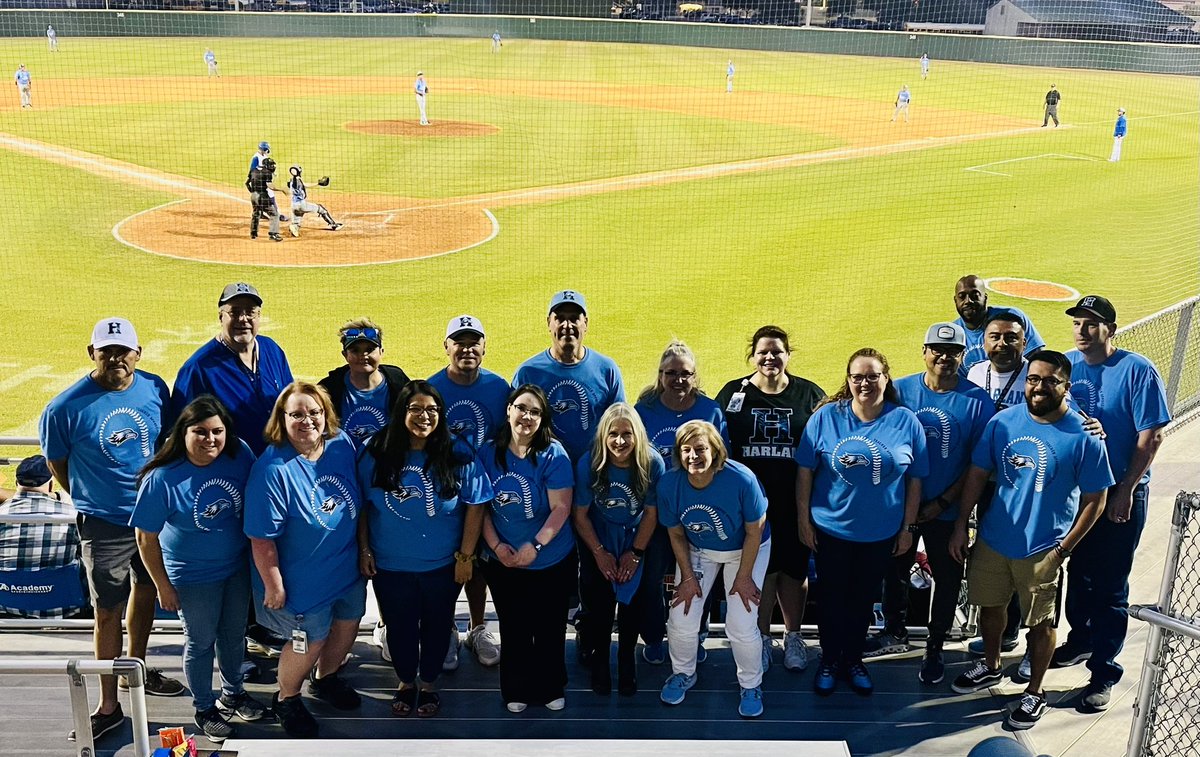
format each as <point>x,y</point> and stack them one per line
<point>1124,12</point>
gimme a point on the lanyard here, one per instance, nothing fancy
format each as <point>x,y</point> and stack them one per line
<point>1004,392</point>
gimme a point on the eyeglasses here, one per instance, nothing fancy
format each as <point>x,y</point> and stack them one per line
<point>250,313</point>
<point>353,335</point>
<point>944,350</point>
<point>417,411</point>
<point>532,412</point>
<point>1049,381</point>
<point>865,378</point>
<point>685,375</point>
<point>311,414</point>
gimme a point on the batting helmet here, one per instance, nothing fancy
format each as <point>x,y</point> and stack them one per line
<point>295,170</point>
<point>264,146</point>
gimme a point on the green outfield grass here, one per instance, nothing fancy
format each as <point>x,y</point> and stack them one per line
<point>848,253</point>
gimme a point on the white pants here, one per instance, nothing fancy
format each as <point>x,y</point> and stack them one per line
<point>1116,153</point>
<point>901,108</point>
<point>741,626</point>
<point>53,44</point>
<point>495,46</point>
<point>212,69</point>
<point>26,97</point>
<point>728,83</point>
<point>421,108</point>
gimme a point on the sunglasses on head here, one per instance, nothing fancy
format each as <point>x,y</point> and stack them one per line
<point>353,335</point>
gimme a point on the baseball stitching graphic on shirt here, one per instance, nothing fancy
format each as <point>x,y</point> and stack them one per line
<point>213,509</point>
<point>460,426</point>
<point>848,460</point>
<point>940,430</point>
<point>506,496</point>
<point>713,521</point>
<point>121,436</point>
<point>1087,394</point>
<point>325,506</point>
<point>629,501</point>
<point>1015,462</point>
<point>563,405</point>
<point>363,430</point>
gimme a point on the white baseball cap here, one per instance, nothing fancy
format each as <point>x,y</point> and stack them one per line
<point>114,331</point>
<point>463,323</point>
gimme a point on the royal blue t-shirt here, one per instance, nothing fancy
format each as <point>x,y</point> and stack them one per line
<point>412,528</point>
<point>861,470</point>
<point>106,438</point>
<point>953,422</point>
<point>215,369</point>
<point>364,412</point>
<point>619,506</point>
<point>477,411</point>
<point>520,505</point>
<point>1126,394</point>
<point>662,422</point>
<point>1040,470</point>
<point>579,394</point>
<point>309,509</point>
<point>197,513</point>
<point>977,353</point>
<point>714,517</point>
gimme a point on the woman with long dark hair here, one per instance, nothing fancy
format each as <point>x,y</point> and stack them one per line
<point>531,562</point>
<point>188,518</point>
<point>422,500</point>
<point>858,486</point>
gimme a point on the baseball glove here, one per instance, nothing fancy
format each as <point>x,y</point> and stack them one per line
<point>323,181</point>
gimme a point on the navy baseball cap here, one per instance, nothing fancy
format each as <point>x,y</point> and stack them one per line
<point>33,471</point>
<point>568,297</point>
<point>264,146</point>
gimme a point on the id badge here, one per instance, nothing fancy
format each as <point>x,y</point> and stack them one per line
<point>735,402</point>
<point>300,641</point>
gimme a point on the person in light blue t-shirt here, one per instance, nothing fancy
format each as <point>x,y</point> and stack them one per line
<point>580,383</point>
<point>861,460</point>
<point>715,511</point>
<point>971,302</point>
<point>530,559</point>
<point>364,389</point>
<point>188,518</point>
<point>1051,476</point>
<point>422,498</point>
<point>615,517</point>
<point>302,518</point>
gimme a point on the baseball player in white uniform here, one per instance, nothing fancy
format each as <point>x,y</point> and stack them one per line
<point>52,38</point>
<point>903,98</point>
<point>210,59</point>
<point>729,77</point>
<point>421,89</point>
<point>301,204</point>
<point>24,86</point>
<point>496,43</point>
<point>924,65</point>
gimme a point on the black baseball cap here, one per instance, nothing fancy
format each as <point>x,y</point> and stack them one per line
<point>1094,304</point>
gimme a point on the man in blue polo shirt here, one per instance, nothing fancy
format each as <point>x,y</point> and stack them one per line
<point>1051,479</point>
<point>1124,391</point>
<point>974,313</point>
<point>97,435</point>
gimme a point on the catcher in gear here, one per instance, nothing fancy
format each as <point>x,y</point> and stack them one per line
<point>301,204</point>
<point>262,199</point>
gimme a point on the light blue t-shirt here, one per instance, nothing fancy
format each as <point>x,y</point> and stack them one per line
<point>520,505</point>
<point>953,422</point>
<point>619,506</point>
<point>197,513</point>
<point>106,438</point>
<point>412,528</point>
<point>364,412</point>
<point>579,394</point>
<point>309,509</point>
<point>976,353</point>
<point>714,517</point>
<point>1126,394</point>
<point>473,412</point>
<point>861,470</point>
<point>1040,470</point>
<point>662,422</point>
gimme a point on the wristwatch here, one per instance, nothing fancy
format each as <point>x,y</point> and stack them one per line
<point>537,546</point>
<point>638,553</point>
<point>912,528</point>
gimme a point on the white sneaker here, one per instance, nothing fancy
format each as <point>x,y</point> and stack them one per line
<point>767,644</point>
<point>294,229</point>
<point>554,705</point>
<point>379,639</point>
<point>481,641</point>
<point>1024,670</point>
<point>451,661</point>
<point>795,653</point>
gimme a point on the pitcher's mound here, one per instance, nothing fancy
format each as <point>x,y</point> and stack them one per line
<point>414,128</point>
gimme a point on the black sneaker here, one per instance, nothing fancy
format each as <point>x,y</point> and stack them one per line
<point>213,724</point>
<point>243,705</point>
<point>295,718</point>
<point>334,690</point>
<point>102,724</point>
<point>157,684</point>
<point>1067,655</point>
<point>1096,697</point>
<point>886,644</point>
<point>1028,711</point>
<point>933,666</point>
<point>978,677</point>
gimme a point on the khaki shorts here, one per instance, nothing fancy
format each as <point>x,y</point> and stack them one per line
<point>992,579</point>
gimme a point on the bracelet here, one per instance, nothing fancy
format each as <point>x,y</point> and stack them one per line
<point>689,578</point>
<point>638,553</point>
<point>636,560</point>
<point>365,551</point>
<point>599,548</point>
<point>1062,551</point>
<point>463,557</point>
<point>495,547</point>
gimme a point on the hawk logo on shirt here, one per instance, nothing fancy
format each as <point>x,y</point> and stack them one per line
<point>1087,394</point>
<point>858,452</point>
<point>363,421</point>
<point>1027,455</point>
<point>406,493</point>
<point>458,427</point>
<point>121,426</point>
<point>939,431</point>
<point>851,459</point>
<point>614,503</point>
<point>329,504</point>
<point>206,511</point>
<point>507,498</point>
<point>331,500</point>
<point>422,491</point>
<point>621,497</point>
<point>563,406</point>
<point>514,497</point>
<point>567,397</point>
<point>214,509</point>
<point>701,520</point>
<point>699,527</point>
<point>117,438</point>
<point>362,432</point>
<point>1022,461</point>
<point>467,419</point>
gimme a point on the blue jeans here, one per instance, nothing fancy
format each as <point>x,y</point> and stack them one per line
<point>214,614</point>
<point>1098,589</point>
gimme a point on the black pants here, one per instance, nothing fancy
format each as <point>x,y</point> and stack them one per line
<point>658,563</point>
<point>531,606</point>
<point>260,205</point>
<point>947,579</point>
<point>418,609</point>
<point>848,578</point>
<point>597,592</point>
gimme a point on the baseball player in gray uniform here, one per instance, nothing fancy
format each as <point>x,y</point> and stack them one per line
<point>301,204</point>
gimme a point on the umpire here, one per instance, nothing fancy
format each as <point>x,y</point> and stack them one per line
<point>262,201</point>
<point>1052,98</point>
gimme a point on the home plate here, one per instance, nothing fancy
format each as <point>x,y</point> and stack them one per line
<point>530,748</point>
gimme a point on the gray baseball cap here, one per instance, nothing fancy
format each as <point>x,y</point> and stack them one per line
<point>239,289</point>
<point>946,333</point>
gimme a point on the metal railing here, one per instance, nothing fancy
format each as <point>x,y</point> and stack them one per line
<point>75,669</point>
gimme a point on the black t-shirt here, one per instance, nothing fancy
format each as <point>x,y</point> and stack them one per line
<point>1052,97</point>
<point>258,180</point>
<point>765,431</point>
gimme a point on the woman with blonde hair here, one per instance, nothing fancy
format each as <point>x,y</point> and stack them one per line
<point>615,517</point>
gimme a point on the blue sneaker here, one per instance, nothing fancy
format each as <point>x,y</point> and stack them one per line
<point>654,653</point>
<point>751,705</point>
<point>676,688</point>
<point>826,680</point>
<point>860,679</point>
<point>701,653</point>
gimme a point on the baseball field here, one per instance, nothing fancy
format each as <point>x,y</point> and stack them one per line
<point>624,171</point>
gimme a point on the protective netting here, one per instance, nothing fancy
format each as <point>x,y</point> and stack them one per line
<point>1171,339</point>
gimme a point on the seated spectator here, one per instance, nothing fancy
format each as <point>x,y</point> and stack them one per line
<point>40,547</point>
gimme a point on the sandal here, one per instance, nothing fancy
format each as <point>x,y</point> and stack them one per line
<point>428,703</point>
<point>404,701</point>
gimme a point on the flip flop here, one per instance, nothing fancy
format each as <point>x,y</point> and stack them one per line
<point>404,701</point>
<point>428,703</point>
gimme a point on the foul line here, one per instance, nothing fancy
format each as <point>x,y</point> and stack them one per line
<point>979,168</point>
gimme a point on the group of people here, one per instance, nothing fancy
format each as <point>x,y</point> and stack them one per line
<point>244,490</point>
<point>260,183</point>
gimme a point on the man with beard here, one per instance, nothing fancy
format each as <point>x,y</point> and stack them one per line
<point>1051,480</point>
<point>974,313</point>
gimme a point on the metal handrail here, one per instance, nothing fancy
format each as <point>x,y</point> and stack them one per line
<point>130,667</point>
<point>1152,616</point>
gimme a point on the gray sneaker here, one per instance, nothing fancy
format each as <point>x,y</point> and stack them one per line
<point>1096,697</point>
<point>242,705</point>
<point>795,653</point>
<point>886,644</point>
<point>451,661</point>
<point>767,643</point>
<point>481,641</point>
<point>1023,671</point>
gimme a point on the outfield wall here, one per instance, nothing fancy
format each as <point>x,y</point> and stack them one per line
<point>1113,56</point>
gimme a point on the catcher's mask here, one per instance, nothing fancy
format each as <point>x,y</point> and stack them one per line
<point>296,170</point>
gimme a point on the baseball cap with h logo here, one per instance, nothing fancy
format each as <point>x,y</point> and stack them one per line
<point>114,331</point>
